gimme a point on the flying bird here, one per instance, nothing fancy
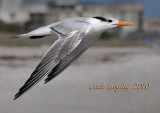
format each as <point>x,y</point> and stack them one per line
<point>75,35</point>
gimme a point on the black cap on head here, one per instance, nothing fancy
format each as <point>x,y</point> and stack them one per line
<point>100,18</point>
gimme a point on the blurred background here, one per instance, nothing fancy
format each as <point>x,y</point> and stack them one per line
<point>126,55</point>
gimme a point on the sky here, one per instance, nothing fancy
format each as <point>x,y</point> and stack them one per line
<point>151,7</point>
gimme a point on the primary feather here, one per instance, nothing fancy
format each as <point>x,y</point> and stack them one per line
<point>57,52</point>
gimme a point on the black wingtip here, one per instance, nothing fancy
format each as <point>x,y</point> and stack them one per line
<point>16,96</point>
<point>46,80</point>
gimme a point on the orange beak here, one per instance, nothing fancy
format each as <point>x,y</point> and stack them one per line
<point>122,23</point>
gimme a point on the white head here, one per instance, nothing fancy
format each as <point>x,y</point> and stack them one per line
<point>103,23</point>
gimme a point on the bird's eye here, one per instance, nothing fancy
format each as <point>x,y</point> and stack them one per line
<point>110,21</point>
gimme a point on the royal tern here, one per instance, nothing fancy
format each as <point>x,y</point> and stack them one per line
<point>75,35</point>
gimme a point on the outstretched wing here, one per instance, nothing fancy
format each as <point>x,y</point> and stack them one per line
<point>58,51</point>
<point>64,63</point>
<point>79,50</point>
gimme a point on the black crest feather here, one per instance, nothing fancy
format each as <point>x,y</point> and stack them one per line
<point>100,18</point>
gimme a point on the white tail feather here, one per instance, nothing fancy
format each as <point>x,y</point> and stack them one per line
<point>20,36</point>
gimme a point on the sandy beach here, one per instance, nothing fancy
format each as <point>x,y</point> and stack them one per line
<point>69,92</point>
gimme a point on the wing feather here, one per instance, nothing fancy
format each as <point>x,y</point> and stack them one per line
<point>77,52</point>
<point>41,71</point>
<point>59,50</point>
